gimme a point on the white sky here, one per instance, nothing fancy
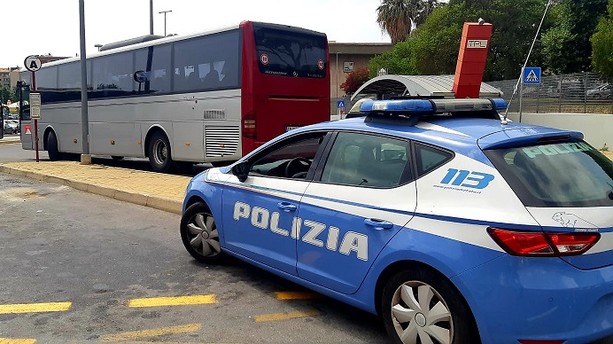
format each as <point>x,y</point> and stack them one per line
<point>52,26</point>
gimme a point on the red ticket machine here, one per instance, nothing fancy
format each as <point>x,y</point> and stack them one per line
<point>474,47</point>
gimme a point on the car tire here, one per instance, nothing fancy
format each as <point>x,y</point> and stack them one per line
<point>420,303</point>
<point>200,235</point>
<point>159,153</point>
<point>51,145</point>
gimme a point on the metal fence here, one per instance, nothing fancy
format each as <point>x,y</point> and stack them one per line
<point>569,93</point>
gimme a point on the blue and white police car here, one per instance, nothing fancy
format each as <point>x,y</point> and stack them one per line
<point>450,223</point>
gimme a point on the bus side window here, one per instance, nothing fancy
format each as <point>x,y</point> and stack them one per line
<point>192,80</point>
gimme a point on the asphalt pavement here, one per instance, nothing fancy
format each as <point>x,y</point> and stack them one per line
<point>157,190</point>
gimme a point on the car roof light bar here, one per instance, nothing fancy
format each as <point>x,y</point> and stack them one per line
<point>425,106</point>
<point>397,106</point>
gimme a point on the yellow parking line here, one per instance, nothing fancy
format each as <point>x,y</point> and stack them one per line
<point>17,341</point>
<point>35,307</point>
<point>165,342</point>
<point>296,295</point>
<point>132,335</point>
<point>172,301</point>
<point>285,316</point>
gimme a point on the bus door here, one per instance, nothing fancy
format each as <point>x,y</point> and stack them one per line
<point>26,124</point>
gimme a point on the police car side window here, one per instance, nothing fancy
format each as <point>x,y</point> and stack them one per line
<point>367,160</point>
<point>429,158</point>
<point>291,159</point>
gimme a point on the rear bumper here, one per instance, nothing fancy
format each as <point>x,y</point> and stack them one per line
<point>516,298</point>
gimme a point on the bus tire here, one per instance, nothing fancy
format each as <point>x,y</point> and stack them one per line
<point>159,152</point>
<point>51,145</point>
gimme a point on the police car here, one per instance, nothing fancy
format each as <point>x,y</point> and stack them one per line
<point>450,223</point>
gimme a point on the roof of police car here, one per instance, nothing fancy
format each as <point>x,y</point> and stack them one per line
<point>447,132</point>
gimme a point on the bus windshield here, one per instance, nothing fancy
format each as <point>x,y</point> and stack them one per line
<point>296,54</point>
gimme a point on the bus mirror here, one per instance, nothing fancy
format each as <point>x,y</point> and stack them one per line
<point>140,76</point>
<point>241,170</point>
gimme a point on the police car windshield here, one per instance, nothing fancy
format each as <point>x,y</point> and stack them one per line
<point>570,174</point>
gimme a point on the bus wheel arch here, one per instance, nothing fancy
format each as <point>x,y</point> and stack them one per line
<point>50,144</point>
<point>158,150</point>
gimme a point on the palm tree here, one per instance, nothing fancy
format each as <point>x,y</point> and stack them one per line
<point>400,17</point>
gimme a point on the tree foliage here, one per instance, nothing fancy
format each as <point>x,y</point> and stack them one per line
<point>399,17</point>
<point>602,44</point>
<point>399,60</point>
<point>355,79</point>
<point>7,94</point>
<point>433,48</point>
<point>566,45</point>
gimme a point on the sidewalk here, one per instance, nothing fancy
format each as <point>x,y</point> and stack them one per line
<point>156,190</point>
<point>9,139</point>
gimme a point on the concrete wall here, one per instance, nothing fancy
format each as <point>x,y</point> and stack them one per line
<point>597,128</point>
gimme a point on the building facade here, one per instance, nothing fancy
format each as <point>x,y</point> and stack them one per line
<point>346,57</point>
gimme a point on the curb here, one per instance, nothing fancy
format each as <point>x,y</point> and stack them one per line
<point>9,142</point>
<point>160,203</point>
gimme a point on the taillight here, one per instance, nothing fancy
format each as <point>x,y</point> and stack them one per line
<point>249,126</point>
<point>543,244</point>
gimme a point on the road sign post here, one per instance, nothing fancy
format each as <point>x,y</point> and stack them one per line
<point>340,106</point>
<point>529,76</point>
<point>33,64</point>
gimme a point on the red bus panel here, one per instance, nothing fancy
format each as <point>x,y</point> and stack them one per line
<point>285,81</point>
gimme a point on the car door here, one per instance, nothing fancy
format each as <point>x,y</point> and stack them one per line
<point>260,214</point>
<point>363,195</point>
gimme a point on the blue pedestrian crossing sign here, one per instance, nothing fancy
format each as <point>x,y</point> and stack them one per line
<point>340,104</point>
<point>531,76</point>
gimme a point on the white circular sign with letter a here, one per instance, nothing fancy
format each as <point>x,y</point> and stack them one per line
<point>32,63</point>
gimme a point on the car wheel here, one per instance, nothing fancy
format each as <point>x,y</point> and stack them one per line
<point>200,235</point>
<point>51,146</point>
<point>419,306</point>
<point>159,153</point>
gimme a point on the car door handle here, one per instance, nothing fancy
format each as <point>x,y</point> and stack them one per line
<point>378,224</point>
<point>286,206</point>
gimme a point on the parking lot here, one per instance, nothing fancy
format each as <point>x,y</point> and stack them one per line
<point>73,273</point>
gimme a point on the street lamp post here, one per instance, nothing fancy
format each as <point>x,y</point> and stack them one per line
<point>165,12</point>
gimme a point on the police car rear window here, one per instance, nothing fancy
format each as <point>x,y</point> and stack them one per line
<point>568,174</point>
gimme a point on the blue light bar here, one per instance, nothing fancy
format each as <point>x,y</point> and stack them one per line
<point>405,105</point>
<point>433,105</point>
<point>500,103</point>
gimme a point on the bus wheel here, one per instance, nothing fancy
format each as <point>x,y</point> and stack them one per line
<point>51,145</point>
<point>159,153</point>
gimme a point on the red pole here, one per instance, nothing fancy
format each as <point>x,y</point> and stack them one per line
<point>35,120</point>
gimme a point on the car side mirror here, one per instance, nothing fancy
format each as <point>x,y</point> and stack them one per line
<point>241,170</point>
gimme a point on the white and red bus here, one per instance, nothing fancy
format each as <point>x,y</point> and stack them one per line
<point>207,97</point>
